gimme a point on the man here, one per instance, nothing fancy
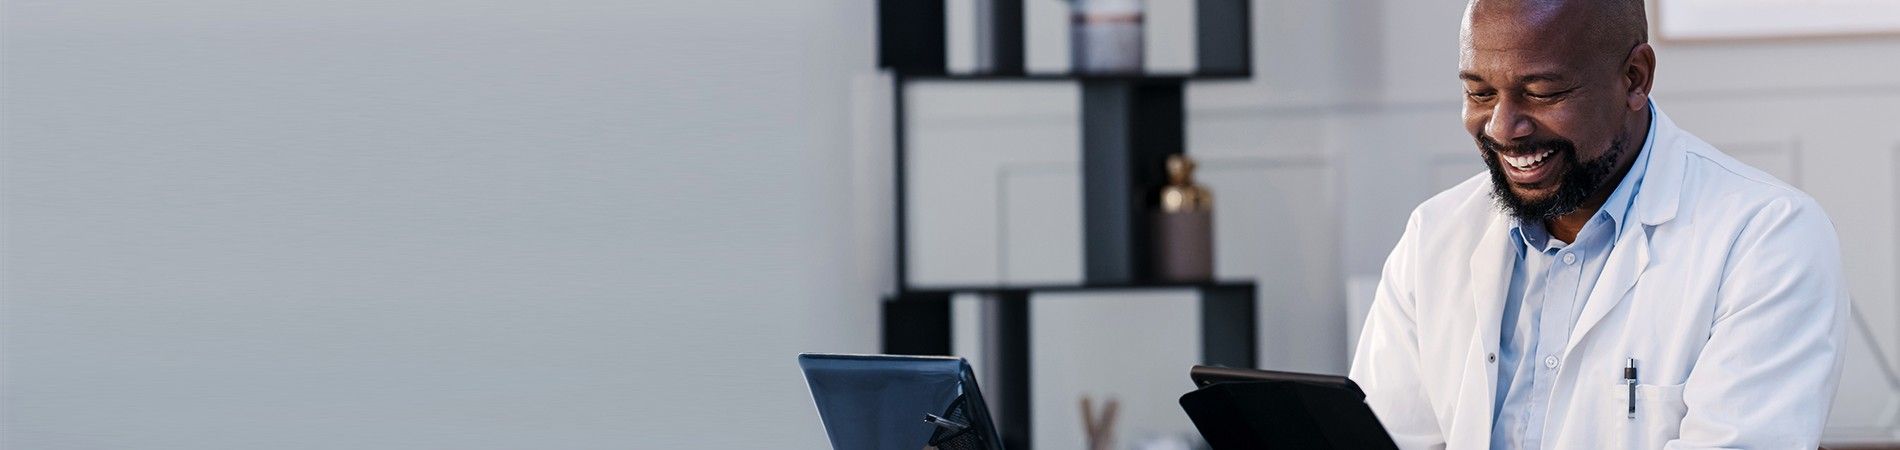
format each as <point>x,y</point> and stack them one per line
<point>1612,281</point>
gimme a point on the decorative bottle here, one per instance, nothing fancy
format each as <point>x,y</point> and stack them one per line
<point>1184,226</point>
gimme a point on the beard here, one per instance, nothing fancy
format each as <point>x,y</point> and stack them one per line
<point>1576,183</point>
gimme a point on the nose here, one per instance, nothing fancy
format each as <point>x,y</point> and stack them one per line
<point>1508,122</point>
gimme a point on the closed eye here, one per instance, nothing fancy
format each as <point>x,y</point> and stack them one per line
<point>1549,96</point>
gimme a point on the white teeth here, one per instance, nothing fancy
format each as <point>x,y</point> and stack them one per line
<point>1527,162</point>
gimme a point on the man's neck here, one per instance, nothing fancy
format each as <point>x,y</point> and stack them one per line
<point>1566,227</point>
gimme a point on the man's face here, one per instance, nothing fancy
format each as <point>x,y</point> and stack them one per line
<point>1546,110</point>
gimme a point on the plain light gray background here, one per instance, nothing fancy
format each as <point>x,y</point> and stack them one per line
<point>611,224</point>
<point>424,224</point>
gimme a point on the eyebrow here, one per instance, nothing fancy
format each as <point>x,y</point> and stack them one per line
<point>1526,79</point>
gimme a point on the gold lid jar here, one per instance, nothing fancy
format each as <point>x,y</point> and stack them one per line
<point>1182,194</point>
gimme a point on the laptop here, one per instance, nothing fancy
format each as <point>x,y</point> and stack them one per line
<point>874,402</point>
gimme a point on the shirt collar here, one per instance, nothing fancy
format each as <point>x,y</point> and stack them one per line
<point>1615,208</point>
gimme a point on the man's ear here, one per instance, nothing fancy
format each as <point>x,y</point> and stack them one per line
<point>1639,72</point>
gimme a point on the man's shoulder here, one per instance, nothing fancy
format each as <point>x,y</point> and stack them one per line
<point>1717,186</point>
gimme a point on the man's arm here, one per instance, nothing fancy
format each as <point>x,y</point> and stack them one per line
<point>1386,365</point>
<point>1768,373</point>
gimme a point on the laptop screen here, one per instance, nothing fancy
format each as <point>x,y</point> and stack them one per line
<point>899,402</point>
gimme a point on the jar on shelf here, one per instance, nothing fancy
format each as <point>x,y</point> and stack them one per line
<point>1184,226</point>
<point>1105,36</point>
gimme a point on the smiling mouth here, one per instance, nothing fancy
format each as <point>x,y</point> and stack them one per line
<point>1527,162</point>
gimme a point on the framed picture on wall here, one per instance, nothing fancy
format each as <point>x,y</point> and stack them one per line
<point>1698,20</point>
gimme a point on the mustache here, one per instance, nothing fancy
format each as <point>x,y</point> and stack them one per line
<point>1577,181</point>
<point>1492,147</point>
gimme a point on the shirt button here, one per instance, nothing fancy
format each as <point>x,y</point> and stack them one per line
<point>1570,258</point>
<point>1550,362</point>
<point>1491,358</point>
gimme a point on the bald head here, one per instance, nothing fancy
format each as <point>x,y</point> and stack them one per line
<point>1607,28</point>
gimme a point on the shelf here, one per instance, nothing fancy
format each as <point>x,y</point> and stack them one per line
<point>1075,287</point>
<point>1130,124</point>
<point>1166,77</point>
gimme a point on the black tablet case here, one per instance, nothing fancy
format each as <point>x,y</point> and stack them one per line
<point>1284,415</point>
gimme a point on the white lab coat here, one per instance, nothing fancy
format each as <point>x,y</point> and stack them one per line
<point>1729,295</point>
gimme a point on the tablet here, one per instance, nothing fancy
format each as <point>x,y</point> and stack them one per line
<point>1205,376</point>
<point>1255,409</point>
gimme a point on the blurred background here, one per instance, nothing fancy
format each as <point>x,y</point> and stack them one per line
<point>613,224</point>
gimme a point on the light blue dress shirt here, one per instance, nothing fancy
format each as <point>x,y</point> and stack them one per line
<point>1549,283</point>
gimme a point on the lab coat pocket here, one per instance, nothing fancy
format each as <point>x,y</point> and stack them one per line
<point>1659,411</point>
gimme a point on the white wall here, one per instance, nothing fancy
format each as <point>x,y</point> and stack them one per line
<point>1352,118</point>
<point>427,224</point>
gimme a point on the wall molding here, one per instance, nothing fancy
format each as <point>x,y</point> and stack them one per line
<point>1789,148</point>
<point>1228,162</point>
<point>1888,423</point>
<point>1269,109</point>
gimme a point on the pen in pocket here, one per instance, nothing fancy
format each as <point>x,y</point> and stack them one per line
<point>1629,379</point>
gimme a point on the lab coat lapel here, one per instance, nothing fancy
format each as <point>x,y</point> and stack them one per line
<point>1655,205</point>
<point>1628,260</point>
<point>1491,265</point>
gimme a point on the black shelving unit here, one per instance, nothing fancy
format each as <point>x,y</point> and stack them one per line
<point>1130,124</point>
